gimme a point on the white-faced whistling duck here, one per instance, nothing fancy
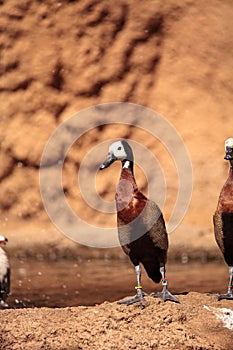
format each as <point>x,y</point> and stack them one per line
<point>141,228</point>
<point>4,275</point>
<point>223,220</point>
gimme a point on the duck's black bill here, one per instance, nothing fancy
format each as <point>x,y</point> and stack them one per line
<point>109,160</point>
<point>229,155</point>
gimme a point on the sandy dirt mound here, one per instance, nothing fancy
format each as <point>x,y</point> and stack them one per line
<point>192,324</point>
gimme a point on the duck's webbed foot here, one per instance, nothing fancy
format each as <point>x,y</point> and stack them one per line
<point>166,295</point>
<point>228,295</point>
<point>139,297</point>
<point>140,294</point>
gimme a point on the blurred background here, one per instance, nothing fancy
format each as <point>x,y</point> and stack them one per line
<point>59,57</point>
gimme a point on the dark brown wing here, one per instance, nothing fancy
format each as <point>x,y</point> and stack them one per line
<point>154,222</point>
<point>223,229</point>
<point>217,219</point>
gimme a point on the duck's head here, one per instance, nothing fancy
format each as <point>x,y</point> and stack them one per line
<point>229,149</point>
<point>3,240</point>
<point>119,150</point>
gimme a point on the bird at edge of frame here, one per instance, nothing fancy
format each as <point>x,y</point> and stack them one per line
<point>223,220</point>
<point>4,275</point>
<point>141,227</point>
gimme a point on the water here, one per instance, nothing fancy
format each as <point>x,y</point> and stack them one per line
<point>89,282</point>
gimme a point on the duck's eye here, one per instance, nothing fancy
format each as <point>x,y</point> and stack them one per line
<point>119,148</point>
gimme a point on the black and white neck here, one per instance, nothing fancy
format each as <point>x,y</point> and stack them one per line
<point>127,164</point>
<point>229,151</point>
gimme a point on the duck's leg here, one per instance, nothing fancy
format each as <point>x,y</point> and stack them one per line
<point>165,294</point>
<point>140,294</point>
<point>229,294</point>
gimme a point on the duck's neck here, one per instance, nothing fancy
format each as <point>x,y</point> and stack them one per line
<point>127,164</point>
<point>127,173</point>
<point>230,177</point>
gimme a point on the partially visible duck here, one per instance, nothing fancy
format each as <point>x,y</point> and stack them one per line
<point>141,227</point>
<point>223,220</point>
<point>4,275</point>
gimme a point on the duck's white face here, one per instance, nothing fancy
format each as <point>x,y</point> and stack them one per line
<point>229,150</point>
<point>117,149</point>
<point>228,143</point>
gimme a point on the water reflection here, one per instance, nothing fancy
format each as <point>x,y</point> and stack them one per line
<point>68,283</point>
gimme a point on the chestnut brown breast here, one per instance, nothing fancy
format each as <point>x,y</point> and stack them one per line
<point>223,220</point>
<point>137,216</point>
